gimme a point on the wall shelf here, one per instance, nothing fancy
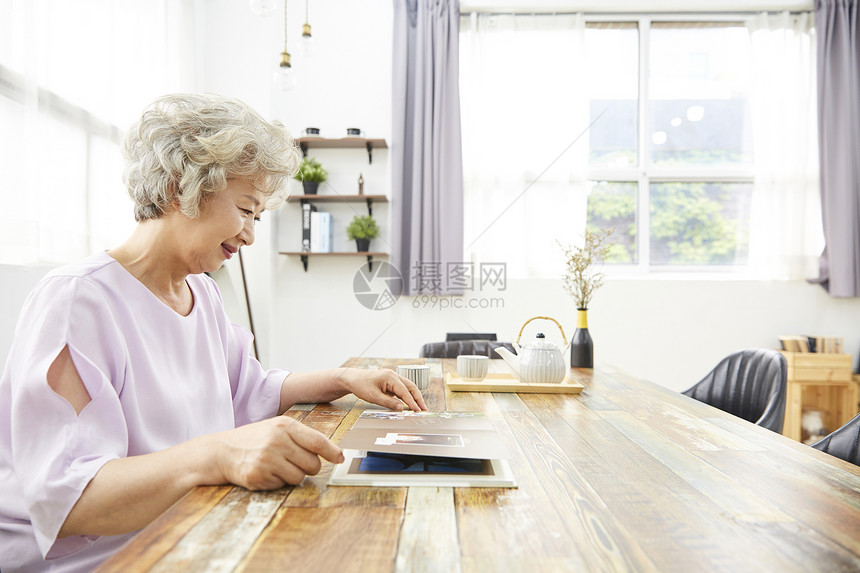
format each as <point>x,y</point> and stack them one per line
<point>307,254</point>
<point>369,199</point>
<point>343,143</point>
<point>306,143</point>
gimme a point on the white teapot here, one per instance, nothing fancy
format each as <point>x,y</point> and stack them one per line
<point>540,361</point>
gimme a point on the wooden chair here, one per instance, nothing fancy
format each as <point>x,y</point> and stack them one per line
<point>751,384</point>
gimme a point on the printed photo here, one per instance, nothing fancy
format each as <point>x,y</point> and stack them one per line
<point>383,463</point>
<point>452,440</point>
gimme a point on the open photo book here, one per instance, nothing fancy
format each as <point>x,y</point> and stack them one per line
<point>447,449</point>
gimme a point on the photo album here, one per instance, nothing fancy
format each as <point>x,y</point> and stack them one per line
<point>448,449</point>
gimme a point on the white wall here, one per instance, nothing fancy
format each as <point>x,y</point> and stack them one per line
<point>671,331</point>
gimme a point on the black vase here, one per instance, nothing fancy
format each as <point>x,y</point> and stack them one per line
<point>363,245</point>
<point>310,187</point>
<point>581,346</point>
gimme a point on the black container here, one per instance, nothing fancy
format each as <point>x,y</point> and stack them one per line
<point>310,187</point>
<point>581,345</point>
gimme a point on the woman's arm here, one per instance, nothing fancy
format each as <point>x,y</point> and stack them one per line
<point>382,387</point>
<point>128,493</point>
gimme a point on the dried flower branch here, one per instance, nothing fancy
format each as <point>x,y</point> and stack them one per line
<point>580,280</point>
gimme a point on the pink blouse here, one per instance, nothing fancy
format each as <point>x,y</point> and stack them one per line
<point>156,379</point>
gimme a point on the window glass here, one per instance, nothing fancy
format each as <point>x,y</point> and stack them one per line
<point>612,205</point>
<point>700,223</point>
<point>612,87</point>
<point>111,210</point>
<point>699,107</point>
<point>668,159</point>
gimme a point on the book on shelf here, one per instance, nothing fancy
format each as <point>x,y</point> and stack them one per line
<point>307,210</point>
<point>816,344</point>
<point>328,232</point>
<point>321,232</point>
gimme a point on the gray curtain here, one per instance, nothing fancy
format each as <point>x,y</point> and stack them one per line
<point>426,151</point>
<point>837,27</point>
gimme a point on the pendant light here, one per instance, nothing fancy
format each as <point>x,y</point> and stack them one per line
<point>284,77</point>
<point>307,46</point>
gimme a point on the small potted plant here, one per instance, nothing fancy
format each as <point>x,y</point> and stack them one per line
<point>362,228</point>
<point>311,174</point>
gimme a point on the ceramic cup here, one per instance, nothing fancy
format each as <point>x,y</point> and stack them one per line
<point>418,373</point>
<point>471,367</point>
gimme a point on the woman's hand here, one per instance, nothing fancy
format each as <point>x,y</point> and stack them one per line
<point>383,387</point>
<point>263,455</point>
<point>271,453</point>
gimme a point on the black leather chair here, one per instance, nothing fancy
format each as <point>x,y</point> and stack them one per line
<point>750,384</point>
<point>844,443</point>
<point>470,336</point>
<point>454,348</point>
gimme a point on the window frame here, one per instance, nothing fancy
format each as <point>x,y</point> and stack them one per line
<point>643,175</point>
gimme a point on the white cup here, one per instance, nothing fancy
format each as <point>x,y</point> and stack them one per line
<point>419,374</point>
<point>471,367</point>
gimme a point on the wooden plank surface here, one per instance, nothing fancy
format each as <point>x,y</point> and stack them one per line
<point>327,539</point>
<point>428,536</point>
<point>626,476</point>
<point>236,523</point>
<point>162,535</point>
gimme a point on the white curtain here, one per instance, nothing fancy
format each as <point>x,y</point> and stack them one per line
<point>786,232</point>
<point>524,103</point>
<point>74,74</point>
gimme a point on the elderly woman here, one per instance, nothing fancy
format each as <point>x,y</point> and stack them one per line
<point>127,385</point>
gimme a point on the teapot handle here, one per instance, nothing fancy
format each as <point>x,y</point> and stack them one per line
<point>563,337</point>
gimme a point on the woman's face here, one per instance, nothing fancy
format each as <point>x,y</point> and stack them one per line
<point>226,223</point>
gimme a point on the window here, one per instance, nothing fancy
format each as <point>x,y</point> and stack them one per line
<point>669,155</point>
<point>693,169</point>
<point>62,191</point>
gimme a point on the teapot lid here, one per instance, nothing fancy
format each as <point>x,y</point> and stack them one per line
<point>540,341</point>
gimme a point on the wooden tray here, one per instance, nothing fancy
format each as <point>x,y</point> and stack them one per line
<point>509,383</point>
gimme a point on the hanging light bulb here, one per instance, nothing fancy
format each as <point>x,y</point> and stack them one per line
<point>262,8</point>
<point>307,46</point>
<point>284,77</point>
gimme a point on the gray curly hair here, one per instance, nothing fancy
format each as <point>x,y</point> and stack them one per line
<point>186,146</point>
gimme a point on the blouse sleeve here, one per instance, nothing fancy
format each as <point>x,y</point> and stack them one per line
<point>256,391</point>
<point>55,451</point>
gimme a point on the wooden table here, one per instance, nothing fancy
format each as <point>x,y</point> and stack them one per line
<point>627,476</point>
